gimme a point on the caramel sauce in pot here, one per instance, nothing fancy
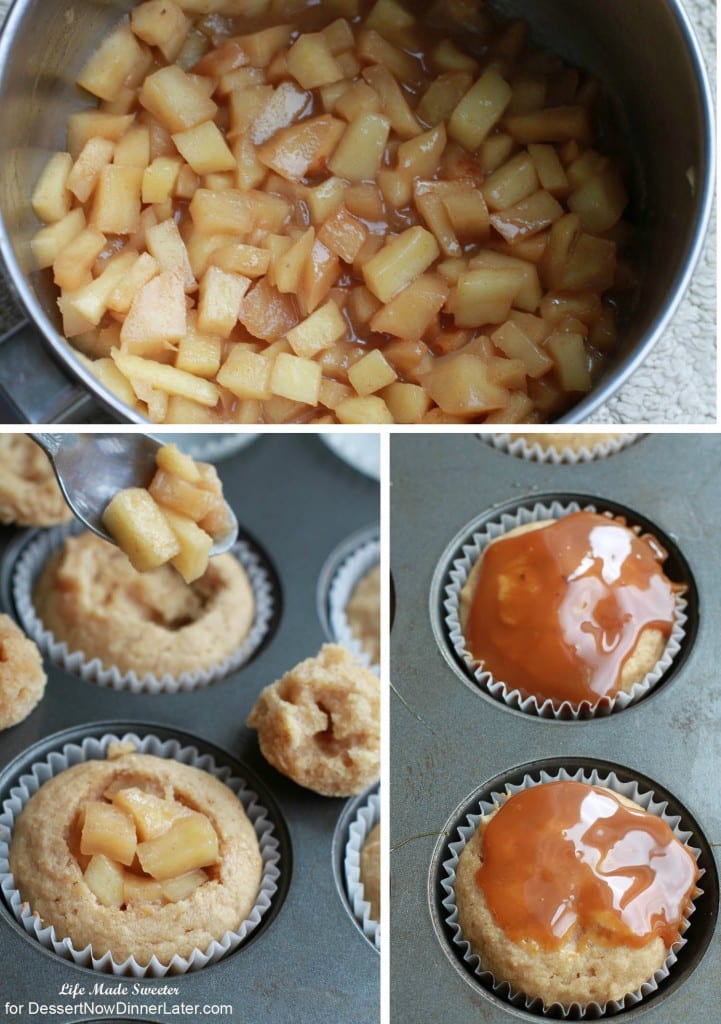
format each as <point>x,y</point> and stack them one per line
<point>558,611</point>
<point>566,859</point>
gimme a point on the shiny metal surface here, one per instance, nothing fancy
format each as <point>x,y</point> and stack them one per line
<point>644,51</point>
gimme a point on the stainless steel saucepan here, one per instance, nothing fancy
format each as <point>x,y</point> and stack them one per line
<point>644,51</point>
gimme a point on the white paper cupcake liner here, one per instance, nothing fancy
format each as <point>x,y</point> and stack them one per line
<point>349,573</point>
<point>536,451</point>
<point>30,564</point>
<point>467,827</point>
<point>513,698</point>
<point>366,819</point>
<point>93,749</point>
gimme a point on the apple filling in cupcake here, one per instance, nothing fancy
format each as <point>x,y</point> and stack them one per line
<point>137,847</point>
<point>137,855</point>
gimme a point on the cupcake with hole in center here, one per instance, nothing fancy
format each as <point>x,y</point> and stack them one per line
<point>136,856</point>
<point>96,616</point>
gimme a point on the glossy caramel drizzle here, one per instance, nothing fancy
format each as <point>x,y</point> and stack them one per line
<point>565,860</point>
<point>558,611</point>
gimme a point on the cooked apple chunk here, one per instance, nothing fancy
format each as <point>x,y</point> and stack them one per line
<point>172,460</point>
<point>108,830</point>
<point>195,545</point>
<point>153,815</point>
<point>302,149</point>
<point>104,877</point>
<point>179,888</point>
<point>175,520</point>
<point>138,525</point>
<point>50,199</point>
<point>138,889</point>
<point>156,317</point>
<point>402,259</point>
<point>191,842</point>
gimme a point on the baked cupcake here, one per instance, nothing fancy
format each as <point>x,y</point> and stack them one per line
<point>573,611</point>
<point>363,613</point>
<point>22,677</point>
<point>353,598</point>
<point>136,856</point>
<point>370,871</point>
<point>320,723</point>
<point>573,894</point>
<point>29,492</point>
<point>362,866</point>
<point>100,618</point>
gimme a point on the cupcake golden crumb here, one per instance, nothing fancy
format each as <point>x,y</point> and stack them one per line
<point>320,723</point>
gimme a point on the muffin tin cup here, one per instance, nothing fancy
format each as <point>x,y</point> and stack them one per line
<point>31,559</point>
<point>532,451</point>
<point>367,817</point>
<point>96,748</point>
<point>458,573</point>
<point>464,829</point>
<point>348,574</point>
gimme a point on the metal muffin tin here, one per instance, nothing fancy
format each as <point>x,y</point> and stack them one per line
<point>310,962</point>
<point>449,740</point>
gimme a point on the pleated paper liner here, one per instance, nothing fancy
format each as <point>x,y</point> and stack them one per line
<point>344,581</point>
<point>560,453</point>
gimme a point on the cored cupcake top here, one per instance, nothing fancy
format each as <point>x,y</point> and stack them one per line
<point>573,609</point>
<point>565,859</point>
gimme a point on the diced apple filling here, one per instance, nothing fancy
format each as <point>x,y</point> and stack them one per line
<point>145,849</point>
<point>175,520</point>
<point>276,203</point>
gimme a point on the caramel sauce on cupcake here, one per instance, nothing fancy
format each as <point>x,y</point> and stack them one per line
<point>566,856</point>
<point>573,894</point>
<point>575,609</point>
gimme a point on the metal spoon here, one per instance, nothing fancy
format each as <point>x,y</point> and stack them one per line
<point>92,468</point>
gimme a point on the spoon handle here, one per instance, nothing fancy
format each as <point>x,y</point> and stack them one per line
<point>50,443</point>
